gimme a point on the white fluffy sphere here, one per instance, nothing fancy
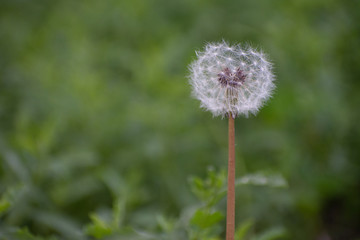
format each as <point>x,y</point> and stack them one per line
<point>231,79</point>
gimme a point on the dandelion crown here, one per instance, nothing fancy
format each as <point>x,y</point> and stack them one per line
<point>231,79</point>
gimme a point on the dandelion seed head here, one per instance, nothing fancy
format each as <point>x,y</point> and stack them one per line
<point>233,80</point>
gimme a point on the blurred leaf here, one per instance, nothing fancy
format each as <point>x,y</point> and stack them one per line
<point>118,212</point>
<point>272,234</point>
<point>4,205</point>
<point>209,190</point>
<point>98,228</point>
<point>259,179</point>
<point>24,234</point>
<point>166,225</point>
<point>205,219</point>
<point>59,223</point>
<point>243,229</point>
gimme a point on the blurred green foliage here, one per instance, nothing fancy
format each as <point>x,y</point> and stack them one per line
<point>99,134</point>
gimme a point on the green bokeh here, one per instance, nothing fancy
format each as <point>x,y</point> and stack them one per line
<point>95,110</point>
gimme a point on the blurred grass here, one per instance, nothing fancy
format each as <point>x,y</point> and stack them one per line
<point>95,106</point>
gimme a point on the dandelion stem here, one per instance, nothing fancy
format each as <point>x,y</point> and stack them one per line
<point>230,215</point>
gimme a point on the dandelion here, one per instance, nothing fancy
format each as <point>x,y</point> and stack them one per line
<point>231,81</point>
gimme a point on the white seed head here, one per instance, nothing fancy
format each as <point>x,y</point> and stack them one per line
<point>231,79</point>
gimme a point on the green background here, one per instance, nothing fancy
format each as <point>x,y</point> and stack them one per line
<point>97,121</point>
